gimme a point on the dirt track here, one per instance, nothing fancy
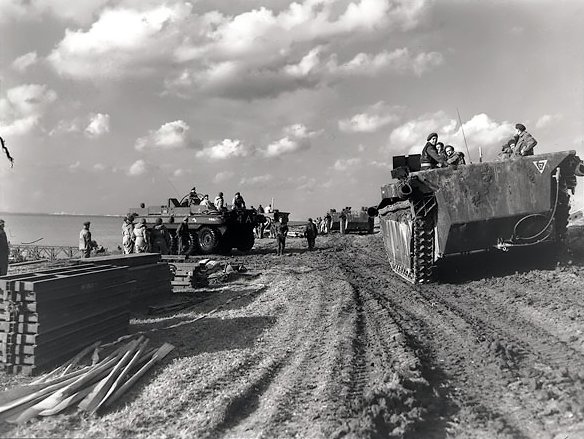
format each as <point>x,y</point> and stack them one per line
<point>331,343</point>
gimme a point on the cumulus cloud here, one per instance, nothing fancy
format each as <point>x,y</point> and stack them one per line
<point>296,138</point>
<point>547,120</point>
<point>99,167</point>
<point>226,149</point>
<point>480,130</point>
<point>32,10</point>
<point>139,167</point>
<point>23,108</point>
<point>74,166</point>
<point>22,63</point>
<point>99,124</point>
<point>122,42</point>
<point>376,117</point>
<point>171,135</point>
<point>346,164</point>
<point>399,60</point>
<point>273,52</point>
<point>223,176</point>
<point>257,180</point>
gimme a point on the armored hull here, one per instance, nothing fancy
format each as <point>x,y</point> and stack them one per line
<point>427,215</point>
<point>211,231</point>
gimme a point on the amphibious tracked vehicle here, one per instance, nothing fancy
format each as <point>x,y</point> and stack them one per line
<point>427,215</point>
<point>212,231</point>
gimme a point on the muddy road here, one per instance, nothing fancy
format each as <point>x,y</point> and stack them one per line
<point>331,343</point>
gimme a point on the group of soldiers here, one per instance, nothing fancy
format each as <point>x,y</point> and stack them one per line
<point>436,155</point>
<point>521,144</point>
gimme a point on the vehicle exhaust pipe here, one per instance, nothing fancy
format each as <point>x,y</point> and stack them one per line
<point>579,171</point>
<point>372,211</point>
<point>405,190</point>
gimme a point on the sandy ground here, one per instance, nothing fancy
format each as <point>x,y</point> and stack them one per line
<point>330,343</point>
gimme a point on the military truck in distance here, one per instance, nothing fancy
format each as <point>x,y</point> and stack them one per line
<point>427,215</point>
<point>212,231</point>
<point>348,220</point>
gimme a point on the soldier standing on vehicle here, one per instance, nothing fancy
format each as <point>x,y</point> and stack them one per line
<point>160,238</point>
<point>430,157</point>
<point>525,141</point>
<point>85,242</point>
<point>141,241</point>
<point>281,229</point>
<point>184,236</point>
<point>219,202</point>
<point>4,250</point>
<point>310,233</point>
<point>193,197</point>
<point>454,158</point>
<point>261,209</point>
<point>128,234</point>
<point>238,202</point>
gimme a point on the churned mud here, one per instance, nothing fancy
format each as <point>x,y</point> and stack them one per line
<point>330,343</point>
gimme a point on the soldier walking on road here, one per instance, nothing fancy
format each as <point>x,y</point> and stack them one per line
<point>85,242</point>
<point>281,230</point>
<point>310,233</point>
<point>4,250</point>
<point>183,235</point>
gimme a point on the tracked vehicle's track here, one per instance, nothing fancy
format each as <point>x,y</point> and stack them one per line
<point>420,219</point>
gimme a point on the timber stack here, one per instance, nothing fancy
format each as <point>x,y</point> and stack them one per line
<point>153,277</point>
<point>47,316</point>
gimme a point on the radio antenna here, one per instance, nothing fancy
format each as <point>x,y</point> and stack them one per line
<point>463,135</point>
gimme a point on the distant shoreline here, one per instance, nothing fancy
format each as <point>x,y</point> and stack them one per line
<point>61,214</point>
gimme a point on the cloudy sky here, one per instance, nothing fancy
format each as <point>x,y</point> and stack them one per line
<point>108,103</point>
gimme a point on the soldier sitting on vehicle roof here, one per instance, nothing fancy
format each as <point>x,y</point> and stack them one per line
<point>430,157</point>
<point>454,158</point>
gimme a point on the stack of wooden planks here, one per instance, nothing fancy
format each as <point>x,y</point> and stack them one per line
<point>90,388</point>
<point>152,277</point>
<point>47,315</point>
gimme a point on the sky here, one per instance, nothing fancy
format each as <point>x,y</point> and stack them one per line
<point>105,104</point>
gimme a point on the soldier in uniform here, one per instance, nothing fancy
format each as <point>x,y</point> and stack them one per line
<point>310,233</point>
<point>525,141</point>
<point>4,250</point>
<point>281,229</point>
<point>507,150</point>
<point>128,234</point>
<point>454,158</point>
<point>160,238</point>
<point>141,238</point>
<point>430,157</point>
<point>238,202</point>
<point>193,197</point>
<point>219,202</point>
<point>183,235</point>
<point>85,242</point>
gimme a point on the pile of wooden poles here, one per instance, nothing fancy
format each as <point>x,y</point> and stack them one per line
<point>90,388</point>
